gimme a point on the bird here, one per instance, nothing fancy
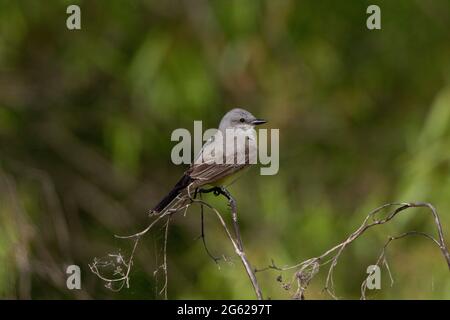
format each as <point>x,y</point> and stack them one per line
<point>206,170</point>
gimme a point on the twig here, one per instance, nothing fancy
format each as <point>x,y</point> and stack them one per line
<point>238,250</point>
<point>202,230</point>
<point>382,257</point>
<point>124,278</point>
<point>307,269</point>
<point>166,278</point>
<point>233,207</point>
<point>178,206</point>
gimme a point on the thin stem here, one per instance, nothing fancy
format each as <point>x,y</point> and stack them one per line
<point>238,250</point>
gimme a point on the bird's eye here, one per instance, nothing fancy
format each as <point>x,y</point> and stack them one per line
<point>242,120</point>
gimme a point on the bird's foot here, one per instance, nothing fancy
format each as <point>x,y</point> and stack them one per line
<point>215,190</point>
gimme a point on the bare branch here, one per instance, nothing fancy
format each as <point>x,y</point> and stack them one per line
<point>307,269</point>
<point>180,204</point>
<point>164,266</point>
<point>237,248</point>
<point>382,257</point>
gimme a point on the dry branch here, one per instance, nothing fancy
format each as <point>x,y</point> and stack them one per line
<point>306,270</point>
<point>181,203</point>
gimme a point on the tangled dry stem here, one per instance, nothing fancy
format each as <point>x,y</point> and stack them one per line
<point>181,204</point>
<point>304,272</point>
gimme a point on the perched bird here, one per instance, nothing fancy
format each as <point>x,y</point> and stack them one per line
<point>206,170</point>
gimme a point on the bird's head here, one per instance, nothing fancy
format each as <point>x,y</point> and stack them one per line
<point>239,119</point>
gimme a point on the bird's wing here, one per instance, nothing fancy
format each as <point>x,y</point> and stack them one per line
<point>207,170</point>
<point>207,173</point>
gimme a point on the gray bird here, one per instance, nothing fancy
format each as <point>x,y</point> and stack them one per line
<point>206,170</point>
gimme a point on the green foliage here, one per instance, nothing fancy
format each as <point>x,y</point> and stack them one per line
<point>86,118</point>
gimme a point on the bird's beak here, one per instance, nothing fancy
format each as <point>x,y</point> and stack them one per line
<point>258,122</point>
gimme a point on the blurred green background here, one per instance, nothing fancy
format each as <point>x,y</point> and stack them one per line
<point>86,118</point>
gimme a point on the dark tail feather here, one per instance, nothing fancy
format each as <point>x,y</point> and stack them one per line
<point>183,183</point>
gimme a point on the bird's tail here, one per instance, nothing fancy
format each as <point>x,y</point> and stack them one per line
<point>183,183</point>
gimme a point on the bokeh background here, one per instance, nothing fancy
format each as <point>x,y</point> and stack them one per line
<point>86,118</point>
